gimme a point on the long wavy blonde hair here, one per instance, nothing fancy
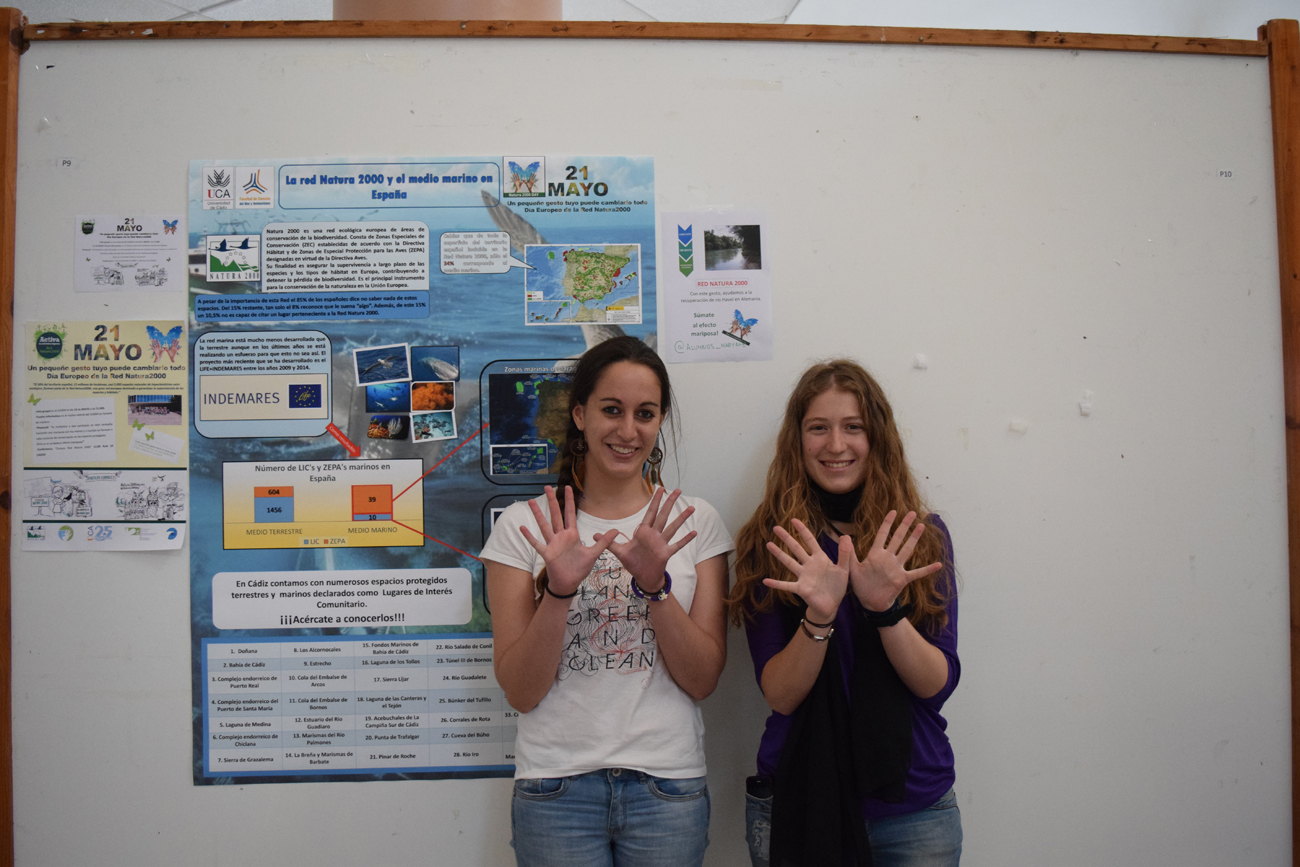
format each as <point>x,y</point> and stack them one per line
<point>789,495</point>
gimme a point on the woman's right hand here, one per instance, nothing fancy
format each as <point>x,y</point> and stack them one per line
<point>820,583</point>
<point>568,561</point>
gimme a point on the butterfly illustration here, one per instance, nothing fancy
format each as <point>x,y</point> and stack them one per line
<point>168,344</point>
<point>522,177</point>
<point>169,226</point>
<point>740,326</point>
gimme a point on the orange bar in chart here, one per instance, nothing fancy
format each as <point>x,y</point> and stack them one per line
<point>372,502</point>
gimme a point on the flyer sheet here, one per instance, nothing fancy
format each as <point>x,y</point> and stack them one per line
<point>104,453</point>
<point>717,294</point>
<point>114,253</point>
<point>381,356</point>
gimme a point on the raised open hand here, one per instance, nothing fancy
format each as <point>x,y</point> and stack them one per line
<point>568,561</point>
<point>646,554</point>
<point>820,583</point>
<point>880,576</point>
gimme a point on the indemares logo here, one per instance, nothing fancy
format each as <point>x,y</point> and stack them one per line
<point>685,253</point>
<point>305,396</point>
<point>255,183</point>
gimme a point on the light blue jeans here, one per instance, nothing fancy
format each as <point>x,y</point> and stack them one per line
<point>610,818</point>
<point>926,838</point>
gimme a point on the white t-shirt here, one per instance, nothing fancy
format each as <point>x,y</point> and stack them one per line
<point>613,703</point>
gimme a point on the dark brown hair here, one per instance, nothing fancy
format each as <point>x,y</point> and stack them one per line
<point>590,366</point>
<point>585,376</point>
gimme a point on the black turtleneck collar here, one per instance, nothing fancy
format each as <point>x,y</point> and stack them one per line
<point>837,507</point>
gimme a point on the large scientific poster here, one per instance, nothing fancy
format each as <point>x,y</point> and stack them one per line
<point>381,351</point>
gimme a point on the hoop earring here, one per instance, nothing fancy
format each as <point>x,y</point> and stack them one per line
<point>578,448</point>
<point>650,473</point>
<point>579,470</point>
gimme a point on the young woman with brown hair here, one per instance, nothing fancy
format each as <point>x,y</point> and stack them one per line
<point>852,626</point>
<point>609,623</point>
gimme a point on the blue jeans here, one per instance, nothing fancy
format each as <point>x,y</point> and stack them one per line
<point>926,838</point>
<point>610,817</point>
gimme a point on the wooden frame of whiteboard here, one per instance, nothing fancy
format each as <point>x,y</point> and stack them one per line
<point>1279,41</point>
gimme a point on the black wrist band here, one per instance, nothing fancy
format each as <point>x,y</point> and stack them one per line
<point>814,623</point>
<point>551,592</point>
<point>881,619</point>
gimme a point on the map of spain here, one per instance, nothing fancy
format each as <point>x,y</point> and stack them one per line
<point>569,285</point>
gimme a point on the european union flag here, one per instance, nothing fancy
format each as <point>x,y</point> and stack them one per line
<point>306,396</point>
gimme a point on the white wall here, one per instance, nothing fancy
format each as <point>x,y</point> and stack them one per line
<point>1037,222</point>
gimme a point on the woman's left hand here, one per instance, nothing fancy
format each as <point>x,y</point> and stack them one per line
<point>647,553</point>
<point>880,576</point>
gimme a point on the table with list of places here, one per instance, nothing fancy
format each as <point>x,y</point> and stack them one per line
<point>354,704</point>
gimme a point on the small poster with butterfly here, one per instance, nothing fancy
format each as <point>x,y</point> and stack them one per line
<point>716,287</point>
<point>105,453</point>
<point>114,253</point>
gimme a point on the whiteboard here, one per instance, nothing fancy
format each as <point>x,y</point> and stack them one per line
<point>1038,224</point>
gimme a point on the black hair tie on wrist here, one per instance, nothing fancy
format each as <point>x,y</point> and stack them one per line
<point>889,617</point>
<point>548,589</point>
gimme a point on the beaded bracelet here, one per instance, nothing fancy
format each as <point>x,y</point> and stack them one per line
<point>659,596</point>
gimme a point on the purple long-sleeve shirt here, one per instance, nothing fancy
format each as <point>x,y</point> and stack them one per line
<point>931,774</point>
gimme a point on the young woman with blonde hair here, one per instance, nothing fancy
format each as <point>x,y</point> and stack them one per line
<point>851,616</point>
<point>609,623</point>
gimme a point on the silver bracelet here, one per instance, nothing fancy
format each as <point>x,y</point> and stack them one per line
<point>803,624</point>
